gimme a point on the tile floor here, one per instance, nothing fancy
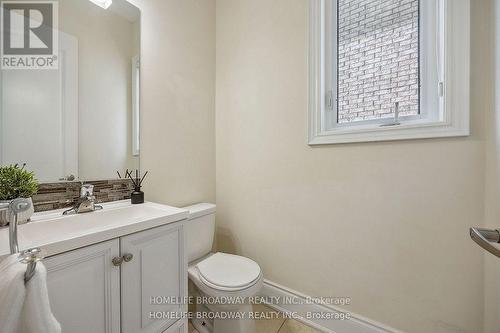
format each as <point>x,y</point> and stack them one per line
<point>277,324</point>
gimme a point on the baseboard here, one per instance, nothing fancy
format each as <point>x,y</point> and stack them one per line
<point>298,308</point>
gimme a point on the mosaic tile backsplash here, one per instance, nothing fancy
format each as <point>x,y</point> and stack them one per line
<point>65,194</point>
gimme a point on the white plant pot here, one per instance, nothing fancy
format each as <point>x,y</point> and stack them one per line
<point>6,216</point>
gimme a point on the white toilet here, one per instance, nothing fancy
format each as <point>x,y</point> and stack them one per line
<point>223,281</point>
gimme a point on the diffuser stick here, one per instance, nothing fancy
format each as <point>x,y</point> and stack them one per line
<point>129,175</point>
<point>142,179</point>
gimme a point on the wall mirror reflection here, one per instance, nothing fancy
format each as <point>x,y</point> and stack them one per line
<point>81,120</point>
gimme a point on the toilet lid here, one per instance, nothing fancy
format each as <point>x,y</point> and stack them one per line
<point>229,271</point>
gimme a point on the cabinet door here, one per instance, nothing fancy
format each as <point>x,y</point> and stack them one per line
<point>157,270</point>
<point>84,289</point>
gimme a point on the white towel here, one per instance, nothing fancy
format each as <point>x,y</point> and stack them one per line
<point>24,308</point>
<point>12,294</point>
<point>36,315</point>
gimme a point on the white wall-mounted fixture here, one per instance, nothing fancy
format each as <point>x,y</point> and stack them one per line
<point>136,92</point>
<point>103,3</point>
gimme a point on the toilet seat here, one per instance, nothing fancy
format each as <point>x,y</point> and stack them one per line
<point>227,272</point>
<point>225,283</point>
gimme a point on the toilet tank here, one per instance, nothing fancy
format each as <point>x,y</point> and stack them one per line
<point>200,230</point>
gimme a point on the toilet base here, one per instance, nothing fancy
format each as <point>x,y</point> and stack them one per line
<point>202,326</point>
<point>225,325</point>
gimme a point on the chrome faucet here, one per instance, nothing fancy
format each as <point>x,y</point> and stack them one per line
<point>86,202</point>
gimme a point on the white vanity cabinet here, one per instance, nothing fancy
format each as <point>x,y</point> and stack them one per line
<point>84,288</point>
<point>91,293</point>
<point>157,270</point>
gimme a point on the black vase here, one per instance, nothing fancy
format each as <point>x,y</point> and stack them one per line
<point>137,196</point>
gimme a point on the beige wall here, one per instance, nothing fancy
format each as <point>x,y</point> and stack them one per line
<point>384,223</point>
<point>492,174</point>
<point>178,100</point>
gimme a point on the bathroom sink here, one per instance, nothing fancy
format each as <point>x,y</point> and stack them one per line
<point>56,233</point>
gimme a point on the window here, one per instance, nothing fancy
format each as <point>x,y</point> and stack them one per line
<point>382,70</point>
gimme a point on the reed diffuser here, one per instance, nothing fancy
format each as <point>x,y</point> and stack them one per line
<point>137,197</point>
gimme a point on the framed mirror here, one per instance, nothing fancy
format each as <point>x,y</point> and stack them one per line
<point>80,119</point>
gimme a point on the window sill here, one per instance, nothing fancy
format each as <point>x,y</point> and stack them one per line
<point>374,133</point>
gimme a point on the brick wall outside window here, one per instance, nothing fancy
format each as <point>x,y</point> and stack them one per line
<point>378,59</point>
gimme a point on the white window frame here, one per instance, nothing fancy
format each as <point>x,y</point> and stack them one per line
<point>136,93</point>
<point>447,118</point>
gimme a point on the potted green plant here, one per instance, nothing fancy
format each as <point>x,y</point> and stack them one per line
<point>16,182</point>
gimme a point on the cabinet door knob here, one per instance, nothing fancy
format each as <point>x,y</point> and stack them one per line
<point>128,257</point>
<point>117,261</point>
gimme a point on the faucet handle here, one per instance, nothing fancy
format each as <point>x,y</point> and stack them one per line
<point>86,191</point>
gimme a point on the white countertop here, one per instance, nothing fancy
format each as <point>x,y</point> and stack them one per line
<point>55,233</point>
